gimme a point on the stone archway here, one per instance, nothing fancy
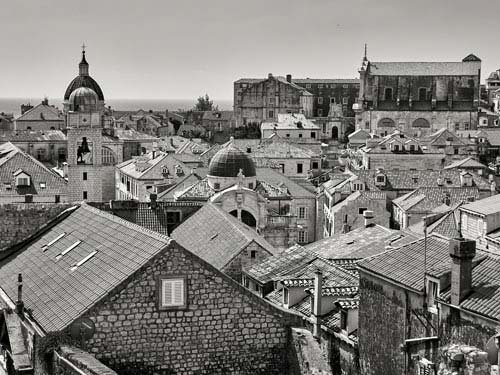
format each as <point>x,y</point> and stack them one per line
<point>246,217</point>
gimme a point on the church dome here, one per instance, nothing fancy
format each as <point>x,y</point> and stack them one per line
<point>228,162</point>
<point>84,80</point>
<point>83,99</point>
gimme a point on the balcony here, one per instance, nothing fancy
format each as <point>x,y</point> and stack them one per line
<point>281,221</point>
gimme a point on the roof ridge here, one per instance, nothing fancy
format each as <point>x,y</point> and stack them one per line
<point>137,227</point>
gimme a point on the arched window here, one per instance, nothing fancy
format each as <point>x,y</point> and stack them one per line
<point>386,122</point>
<point>335,132</point>
<point>108,156</point>
<point>421,123</point>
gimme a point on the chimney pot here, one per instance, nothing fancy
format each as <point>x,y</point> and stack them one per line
<point>270,75</point>
<point>462,252</point>
<point>289,78</point>
<point>368,216</point>
<point>19,302</point>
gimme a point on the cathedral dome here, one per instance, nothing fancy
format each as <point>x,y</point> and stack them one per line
<point>84,80</point>
<point>83,99</point>
<point>228,162</point>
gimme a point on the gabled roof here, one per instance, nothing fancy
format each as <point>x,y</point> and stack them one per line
<point>58,294</point>
<point>406,265</point>
<point>303,81</point>
<point>290,121</point>
<point>13,159</point>
<point>485,206</point>
<point>146,167</point>
<point>468,162</point>
<point>216,236</point>
<point>426,199</point>
<point>218,115</point>
<point>42,112</point>
<point>485,296</point>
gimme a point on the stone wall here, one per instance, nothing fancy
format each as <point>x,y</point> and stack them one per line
<point>224,329</point>
<point>244,260</point>
<point>73,361</point>
<point>390,160</point>
<point>20,220</point>
<point>388,315</point>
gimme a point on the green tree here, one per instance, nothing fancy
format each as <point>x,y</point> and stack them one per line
<point>205,104</point>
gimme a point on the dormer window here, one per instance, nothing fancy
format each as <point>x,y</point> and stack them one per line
<point>380,179</point>
<point>22,178</point>
<point>164,170</point>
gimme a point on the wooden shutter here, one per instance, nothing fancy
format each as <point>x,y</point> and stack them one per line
<point>172,292</point>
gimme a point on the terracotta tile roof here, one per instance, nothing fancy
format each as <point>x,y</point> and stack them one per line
<point>188,180</point>
<point>216,236</point>
<point>146,168</point>
<point>303,81</point>
<point>405,265</point>
<point>486,206</point>
<point>218,115</point>
<point>42,112</point>
<point>484,298</point>
<point>426,199</point>
<point>13,159</point>
<point>332,319</point>
<point>273,268</point>
<point>469,162</point>
<point>56,293</point>
<point>348,303</point>
<point>424,68</point>
<point>333,276</point>
<point>32,136</point>
<point>347,245</point>
<point>398,179</point>
<point>134,135</point>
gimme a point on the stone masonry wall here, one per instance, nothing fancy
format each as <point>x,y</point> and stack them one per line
<point>225,329</point>
<point>20,220</point>
<point>83,361</point>
<point>244,260</point>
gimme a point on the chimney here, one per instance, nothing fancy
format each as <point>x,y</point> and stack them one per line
<point>368,216</point>
<point>270,75</point>
<point>447,199</point>
<point>289,78</point>
<point>462,252</point>
<point>19,302</point>
<point>318,286</point>
<point>345,226</point>
<point>153,154</point>
<point>153,203</point>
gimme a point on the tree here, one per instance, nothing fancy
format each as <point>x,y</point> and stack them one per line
<point>205,104</point>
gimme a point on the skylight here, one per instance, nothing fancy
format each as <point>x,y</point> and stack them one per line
<point>45,247</point>
<point>68,249</point>
<point>80,263</point>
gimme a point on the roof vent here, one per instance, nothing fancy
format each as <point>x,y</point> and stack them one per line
<point>80,263</point>
<point>68,250</point>
<point>45,247</point>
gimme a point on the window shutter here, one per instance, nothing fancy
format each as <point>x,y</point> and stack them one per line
<point>167,293</point>
<point>178,292</point>
<point>173,292</point>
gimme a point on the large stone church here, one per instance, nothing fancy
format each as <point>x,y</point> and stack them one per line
<point>90,159</point>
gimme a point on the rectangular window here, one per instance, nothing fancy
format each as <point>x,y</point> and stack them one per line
<point>128,185</point>
<point>253,254</point>
<point>315,165</point>
<point>299,168</point>
<point>313,135</point>
<point>345,100</point>
<point>320,100</point>
<point>302,212</point>
<point>432,294</point>
<point>271,114</point>
<point>84,176</point>
<point>302,236</point>
<point>332,100</point>
<point>173,292</point>
<point>57,198</point>
<point>84,195</point>
<point>28,198</point>
<point>300,135</point>
<point>361,210</point>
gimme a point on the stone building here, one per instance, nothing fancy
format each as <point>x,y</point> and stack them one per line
<point>136,300</point>
<point>44,145</point>
<point>281,210</point>
<point>41,117</point>
<point>420,300</point>
<point>294,126</point>
<point>344,200</point>
<point>492,87</point>
<point>418,97</point>
<point>6,121</point>
<point>25,179</point>
<point>90,161</point>
<point>258,100</point>
<point>222,240</point>
<point>413,207</point>
<point>148,174</point>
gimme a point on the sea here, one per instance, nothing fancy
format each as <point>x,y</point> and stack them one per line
<point>13,105</point>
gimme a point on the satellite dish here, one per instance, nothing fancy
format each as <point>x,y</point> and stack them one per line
<point>82,329</point>
<point>492,350</point>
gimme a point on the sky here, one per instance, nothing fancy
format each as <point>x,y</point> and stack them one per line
<point>166,49</point>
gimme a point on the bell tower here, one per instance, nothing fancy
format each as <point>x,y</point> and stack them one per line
<point>83,112</point>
